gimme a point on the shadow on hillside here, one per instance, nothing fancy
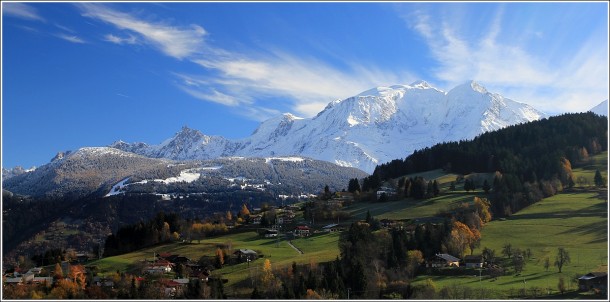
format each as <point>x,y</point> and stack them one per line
<point>597,210</point>
<point>528,278</point>
<point>597,229</point>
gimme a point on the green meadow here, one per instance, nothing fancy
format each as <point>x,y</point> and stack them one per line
<point>577,222</point>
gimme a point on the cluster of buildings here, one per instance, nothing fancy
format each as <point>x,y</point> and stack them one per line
<point>31,276</point>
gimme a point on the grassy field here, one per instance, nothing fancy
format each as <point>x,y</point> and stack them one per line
<point>587,170</point>
<point>576,221</point>
<point>410,208</point>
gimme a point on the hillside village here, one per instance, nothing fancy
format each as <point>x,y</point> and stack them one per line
<point>173,275</point>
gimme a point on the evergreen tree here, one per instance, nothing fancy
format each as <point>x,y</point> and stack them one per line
<point>369,218</point>
<point>353,186</point>
<point>598,178</point>
<point>486,187</point>
<point>435,188</point>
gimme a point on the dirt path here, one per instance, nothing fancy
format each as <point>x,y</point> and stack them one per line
<point>295,248</point>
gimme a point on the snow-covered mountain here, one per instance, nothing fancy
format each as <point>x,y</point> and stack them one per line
<point>601,108</point>
<point>362,131</point>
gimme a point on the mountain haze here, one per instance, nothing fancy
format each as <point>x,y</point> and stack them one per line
<point>601,108</point>
<point>362,131</point>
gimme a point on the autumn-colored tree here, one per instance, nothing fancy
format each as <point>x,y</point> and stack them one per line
<point>312,295</point>
<point>165,234</point>
<point>267,276</point>
<point>65,289</point>
<point>220,258</point>
<point>78,276</point>
<point>229,216</point>
<point>460,238</point>
<point>565,173</point>
<point>244,213</point>
<point>482,206</point>
<point>414,259</point>
<point>58,273</point>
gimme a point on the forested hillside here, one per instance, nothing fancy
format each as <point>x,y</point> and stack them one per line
<point>531,161</point>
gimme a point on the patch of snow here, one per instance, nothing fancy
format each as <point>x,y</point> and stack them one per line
<point>290,159</point>
<point>117,189</point>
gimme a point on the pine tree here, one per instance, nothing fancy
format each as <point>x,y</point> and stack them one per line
<point>486,187</point>
<point>598,179</point>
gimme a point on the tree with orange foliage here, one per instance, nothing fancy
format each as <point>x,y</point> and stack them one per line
<point>460,238</point>
<point>58,273</point>
<point>244,213</point>
<point>79,276</point>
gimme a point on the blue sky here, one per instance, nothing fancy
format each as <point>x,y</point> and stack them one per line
<point>87,74</point>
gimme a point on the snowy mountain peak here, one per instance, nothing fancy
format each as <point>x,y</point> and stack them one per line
<point>478,87</point>
<point>420,84</point>
<point>291,117</point>
<point>362,131</point>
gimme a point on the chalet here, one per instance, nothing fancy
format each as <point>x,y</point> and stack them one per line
<point>159,267</point>
<point>387,191</point>
<point>28,277</point>
<point>199,271</point>
<point>244,255</point>
<point>15,280</point>
<point>594,280</point>
<point>302,231</point>
<point>331,228</point>
<point>43,280</point>
<point>475,261</point>
<point>443,260</point>
<point>172,288</point>
<point>271,233</point>
<point>35,270</point>
<point>255,219</point>
<point>387,223</point>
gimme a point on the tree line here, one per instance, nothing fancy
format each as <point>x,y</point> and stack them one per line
<point>530,161</point>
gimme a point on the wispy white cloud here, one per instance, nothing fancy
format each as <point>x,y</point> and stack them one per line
<point>21,10</point>
<point>71,38</point>
<point>118,40</point>
<point>309,83</point>
<point>177,42</point>
<point>509,68</point>
<point>64,28</point>
<point>252,82</point>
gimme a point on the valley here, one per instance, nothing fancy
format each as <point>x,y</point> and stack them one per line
<point>295,227</point>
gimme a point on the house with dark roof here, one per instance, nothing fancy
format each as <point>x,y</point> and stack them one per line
<point>594,280</point>
<point>244,255</point>
<point>444,260</point>
<point>473,261</point>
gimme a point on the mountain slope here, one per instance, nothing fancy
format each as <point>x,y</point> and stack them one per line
<point>82,172</point>
<point>601,108</point>
<point>362,131</point>
<point>109,171</point>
